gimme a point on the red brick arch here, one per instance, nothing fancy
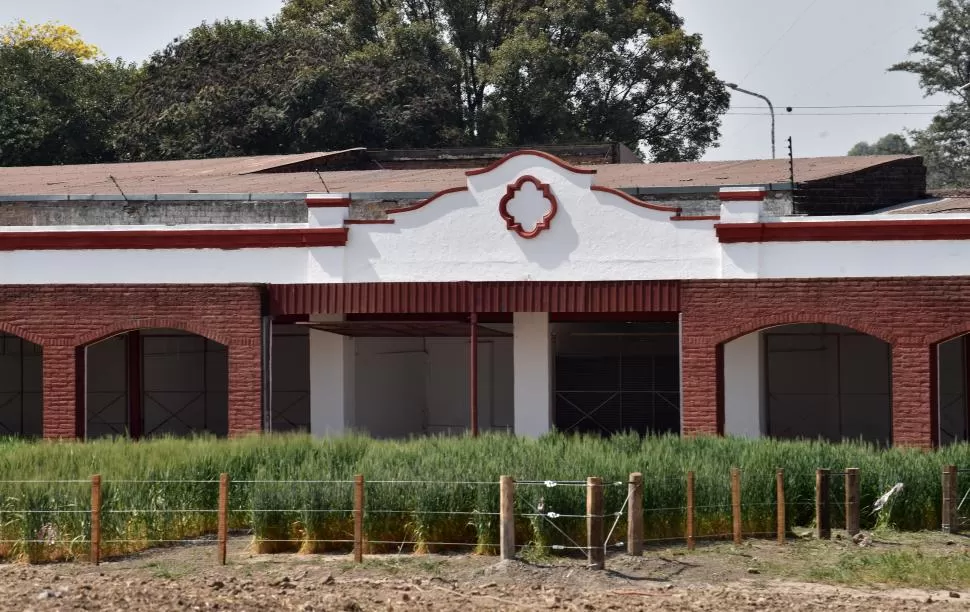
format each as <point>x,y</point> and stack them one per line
<point>949,333</point>
<point>126,325</point>
<point>9,328</point>
<point>758,324</point>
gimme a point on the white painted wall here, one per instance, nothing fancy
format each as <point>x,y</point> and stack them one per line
<point>532,359</point>
<point>846,259</point>
<point>290,265</point>
<point>332,381</point>
<point>594,236</point>
<point>744,387</point>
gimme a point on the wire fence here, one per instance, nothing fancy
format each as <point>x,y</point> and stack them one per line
<point>102,518</point>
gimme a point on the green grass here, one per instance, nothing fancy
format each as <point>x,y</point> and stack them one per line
<point>904,568</point>
<point>290,516</point>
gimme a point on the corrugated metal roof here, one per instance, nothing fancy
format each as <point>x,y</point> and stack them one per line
<point>236,175</point>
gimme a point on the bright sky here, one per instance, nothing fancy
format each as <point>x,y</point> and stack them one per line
<point>799,53</point>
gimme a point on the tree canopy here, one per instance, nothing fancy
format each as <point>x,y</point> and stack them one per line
<point>942,62</point>
<point>549,71</point>
<point>56,108</point>
<point>890,144</point>
<point>332,74</point>
<point>53,36</point>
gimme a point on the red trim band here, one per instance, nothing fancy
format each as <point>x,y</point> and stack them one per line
<point>327,202</point>
<point>495,164</point>
<point>696,218</point>
<point>741,196</point>
<point>173,239</point>
<point>368,221</point>
<point>842,231</point>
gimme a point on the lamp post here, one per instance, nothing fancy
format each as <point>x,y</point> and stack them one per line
<point>771,108</point>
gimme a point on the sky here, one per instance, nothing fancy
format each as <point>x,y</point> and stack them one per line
<point>798,53</point>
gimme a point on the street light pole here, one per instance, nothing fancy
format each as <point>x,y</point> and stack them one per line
<point>771,108</point>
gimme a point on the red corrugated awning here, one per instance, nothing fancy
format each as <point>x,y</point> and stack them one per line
<point>485,297</point>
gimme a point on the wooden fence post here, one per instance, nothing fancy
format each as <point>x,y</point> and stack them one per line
<point>949,498</point>
<point>736,503</point>
<point>359,518</point>
<point>96,519</point>
<point>634,517</point>
<point>506,517</point>
<point>823,524</point>
<point>852,501</point>
<point>594,523</point>
<point>781,524</point>
<point>690,511</point>
<point>223,516</point>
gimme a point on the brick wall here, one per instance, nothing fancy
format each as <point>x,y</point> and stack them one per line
<point>895,182</point>
<point>912,315</point>
<point>62,318</point>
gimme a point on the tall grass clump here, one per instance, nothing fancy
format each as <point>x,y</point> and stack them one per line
<point>435,494</point>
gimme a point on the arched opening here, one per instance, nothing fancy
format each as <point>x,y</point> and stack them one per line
<point>153,382</point>
<point>808,381</point>
<point>21,387</point>
<point>953,389</point>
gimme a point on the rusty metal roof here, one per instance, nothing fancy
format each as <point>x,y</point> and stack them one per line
<point>254,175</point>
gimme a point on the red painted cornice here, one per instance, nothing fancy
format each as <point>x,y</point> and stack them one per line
<point>842,231</point>
<point>173,239</point>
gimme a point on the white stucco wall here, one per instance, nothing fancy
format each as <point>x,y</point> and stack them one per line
<point>289,265</point>
<point>532,359</point>
<point>744,387</point>
<point>594,236</point>
<point>332,381</point>
<point>846,259</point>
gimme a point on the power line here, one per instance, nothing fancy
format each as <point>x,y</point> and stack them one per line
<point>829,114</point>
<point>859,106</point>
<point>778,40</point>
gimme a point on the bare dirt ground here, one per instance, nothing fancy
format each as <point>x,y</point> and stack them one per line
<point>758,575</point>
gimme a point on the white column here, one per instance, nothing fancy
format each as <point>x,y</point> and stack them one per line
<point>532,359</point>
<point>744,387</point>
<point>332,358</point>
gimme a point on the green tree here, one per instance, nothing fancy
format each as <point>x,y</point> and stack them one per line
<point>545,71</point>
<point>942,62</point>
<point>890,144</point>
<point>246,88</point>
<point>56,108</point>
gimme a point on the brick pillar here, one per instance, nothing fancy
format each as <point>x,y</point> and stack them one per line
<point>699,371</point>
<point>914,380</point>
<point>60,392</point>
<point>245,386</point>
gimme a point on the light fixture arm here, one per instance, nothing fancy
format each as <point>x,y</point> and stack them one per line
<point>771,109</point>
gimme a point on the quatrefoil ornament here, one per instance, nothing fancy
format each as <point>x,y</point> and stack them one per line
<point>541,222</point>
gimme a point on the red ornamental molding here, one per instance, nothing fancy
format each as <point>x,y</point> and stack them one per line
<point>542,224</point>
